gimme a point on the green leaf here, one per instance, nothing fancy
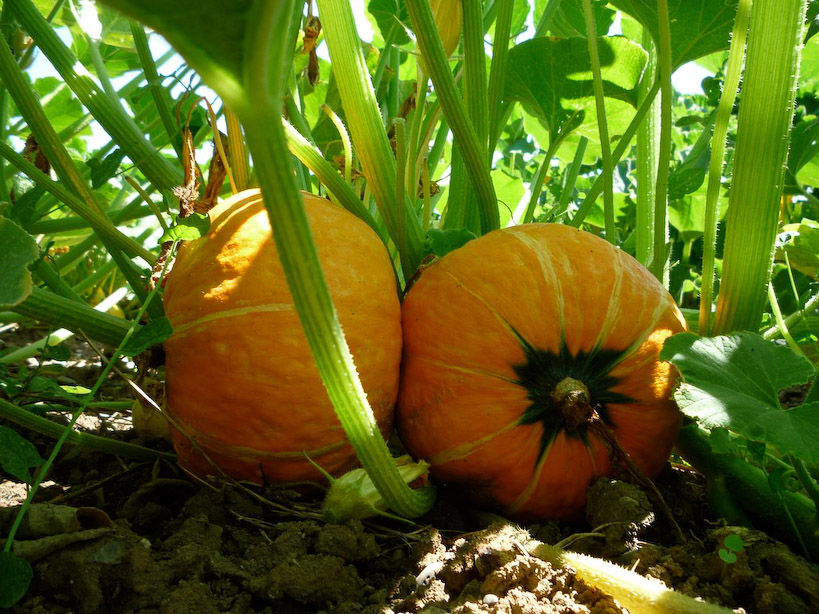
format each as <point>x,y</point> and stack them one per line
<point>726,556</point>
<point>103,170</point>
<point>553,81</point>
<point>15,576</point>
<point>59,352</point>
<point>392,19</point>
<point>210,34</point>
<point>698,27</point>
<point>17,455</point>
<point>569,20</point>
<point>802,248</point>
<point>188,228</point>
<point>149,335</point>
<point>734,542</point>
<point>733,382</point>
<point>441,242</point>
<point>19,251</point>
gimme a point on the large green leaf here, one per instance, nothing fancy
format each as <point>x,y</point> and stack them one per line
<point>211,34</point>
<point>698,27</point>
<point>19,250</point>
<point>733,382</point>
<point>553,80</point>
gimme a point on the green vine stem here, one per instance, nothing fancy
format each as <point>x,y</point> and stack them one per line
<point>497,71</point>
<point>464,133</point>
<point>602,124</point>
<point>659,258</point>
<point>763,133</point>
<point>339,189</point>
<point>101,224</point>
<point>44,426</point>
<point>748,489</point>
<point>733,72</point>
<point>48,307</point>
<point>154,82</point>
<point>639,594</point>
<point>474,84</point>
<point>622,145</point>
<point>367,131</point>
<point>647,158</point>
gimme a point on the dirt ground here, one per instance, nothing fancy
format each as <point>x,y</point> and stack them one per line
<point>113,536</point>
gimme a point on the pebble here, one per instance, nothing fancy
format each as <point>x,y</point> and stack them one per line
<point>490,599</point>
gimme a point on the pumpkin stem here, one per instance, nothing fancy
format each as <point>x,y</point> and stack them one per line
<point>572,398</point>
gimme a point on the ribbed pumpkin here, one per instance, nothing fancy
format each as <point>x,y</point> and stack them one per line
<point>241,380</point>
<point>513,345</point>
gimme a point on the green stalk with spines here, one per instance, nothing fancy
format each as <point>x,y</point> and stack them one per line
<point>469,145</point>
<point>659,258</point>
<point>647,157</point>
<point>45,306</point>
<point>602,123</point>
<point>151,73</point>
<point>368,134</point>
<point>110,115</point>
<point>733,73</point>
<point>475,90</point>
<point>497,72</point>
<point>622,145</point>
<point>47,427</point>
<point>763,133</point>
<point>339,189</point>
<point>237,152</point>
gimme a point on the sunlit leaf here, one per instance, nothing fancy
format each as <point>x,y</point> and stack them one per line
<point>187,229</point>
<point>733,382</point>
<point>392,19</point>
<point>698,27</point>
<point>553,81</point>
<point>570,21</point>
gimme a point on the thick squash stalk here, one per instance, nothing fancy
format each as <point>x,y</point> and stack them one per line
<point>763,133</point>
<point>249,73</point>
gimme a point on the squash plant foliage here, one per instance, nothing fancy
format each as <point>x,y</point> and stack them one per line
<point>529,118</point>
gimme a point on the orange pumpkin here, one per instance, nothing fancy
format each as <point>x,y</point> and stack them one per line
<point>242,384</point>
<point>499,337</point>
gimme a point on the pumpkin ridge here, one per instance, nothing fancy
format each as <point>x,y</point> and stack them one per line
<point>183,329</point>
<point>470,370</point>
<point>648,330</point>
<point>613,313</point>
<point>526,494</point>
<point>544,257</point>
<point>485,303</point>
<point>464,450</point>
